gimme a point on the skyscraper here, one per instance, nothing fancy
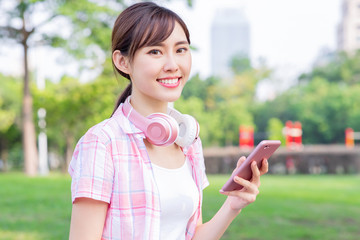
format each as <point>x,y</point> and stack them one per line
<point>348,35</point>
<point>230,36</point>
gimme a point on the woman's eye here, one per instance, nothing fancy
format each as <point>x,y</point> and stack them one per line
<point>154,52</point>
<point>182,50</point>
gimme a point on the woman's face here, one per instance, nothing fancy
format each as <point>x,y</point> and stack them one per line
<point>159,73</point>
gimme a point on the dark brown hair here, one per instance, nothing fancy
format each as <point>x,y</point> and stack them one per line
<point>140,25</point>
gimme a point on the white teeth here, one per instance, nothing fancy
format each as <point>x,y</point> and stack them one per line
<point>171,81</point>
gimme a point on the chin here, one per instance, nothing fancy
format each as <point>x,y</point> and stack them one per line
<point>173,97</point>
<point>170,97</point>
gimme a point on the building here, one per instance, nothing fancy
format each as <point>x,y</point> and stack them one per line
<point>348,35</point>
<point>230,36</point>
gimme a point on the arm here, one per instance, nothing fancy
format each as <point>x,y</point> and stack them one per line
<point>87,219</point>
<point>235,201</point>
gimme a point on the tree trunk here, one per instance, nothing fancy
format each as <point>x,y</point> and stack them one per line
<point>28,127</point>
<point>4,154</point>
<point>69,151</point>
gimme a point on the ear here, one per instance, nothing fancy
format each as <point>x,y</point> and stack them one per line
<point>121,62</point>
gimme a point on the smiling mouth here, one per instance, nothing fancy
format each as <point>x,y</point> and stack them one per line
<point>170,83</point>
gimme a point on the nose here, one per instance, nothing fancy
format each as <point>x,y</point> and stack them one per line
<point>171,64</point>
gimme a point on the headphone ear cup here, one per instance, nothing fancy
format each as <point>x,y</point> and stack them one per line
<point>162,129</point>
<point>188,130</point>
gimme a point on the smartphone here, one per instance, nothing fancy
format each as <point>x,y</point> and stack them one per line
<point>263,150</point>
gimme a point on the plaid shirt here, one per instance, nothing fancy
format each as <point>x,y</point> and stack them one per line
<point>110,163</point>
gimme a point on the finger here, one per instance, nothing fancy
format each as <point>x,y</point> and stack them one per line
<point>223,192</point>
<point>264,167</point>
<point>245,196</point>
<point>248,186</point>
<point>240,161</point>
<point>255,174</point>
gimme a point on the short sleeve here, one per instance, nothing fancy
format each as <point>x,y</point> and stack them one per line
<point>91,169</point>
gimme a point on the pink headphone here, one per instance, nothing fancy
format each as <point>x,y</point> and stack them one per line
<point>164,129</point>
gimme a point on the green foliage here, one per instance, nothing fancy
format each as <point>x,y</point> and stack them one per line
<point>73,107</point>
<point>325,101</point>
<point>10,108</point>
<point>275,130</point>
<point>240,63</point>
<point>341,67</point>
<point>10,92</point>
<point>7,117</point>
<point>220,108</point>
<point>353,98</point>
<point>16,157</point>
<point>208,90</point>
<point>82,28</point>
<point>91,26</point>
<point>225,104</point>
<point>233,113</point>
<point>208,120</point>
<point>246,77</point>
<point>324,108</point>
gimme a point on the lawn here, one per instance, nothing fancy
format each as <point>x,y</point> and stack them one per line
<point>288,207</point>
<point>322,207</point>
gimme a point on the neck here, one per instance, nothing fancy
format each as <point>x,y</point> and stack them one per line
<point>146,107</point>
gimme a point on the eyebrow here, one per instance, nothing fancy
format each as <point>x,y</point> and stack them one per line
<point>181,42</point>
<point>176,44</point>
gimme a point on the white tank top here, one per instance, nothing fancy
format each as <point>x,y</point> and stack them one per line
<point>179,199</point>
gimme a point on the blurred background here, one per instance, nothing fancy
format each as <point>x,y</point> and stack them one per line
<point>256,65</point>
<point>287,70</point>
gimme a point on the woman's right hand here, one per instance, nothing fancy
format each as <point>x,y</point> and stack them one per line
<point>238,199</point>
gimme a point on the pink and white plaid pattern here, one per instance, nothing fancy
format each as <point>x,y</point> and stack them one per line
<point>110,164</point>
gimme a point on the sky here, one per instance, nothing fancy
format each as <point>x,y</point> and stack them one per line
<point>288,34</point>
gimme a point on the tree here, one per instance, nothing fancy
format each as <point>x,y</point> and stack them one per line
<point>73,107</point>
<point>324,108</point>
<point>275,130</point>
<point>23,28</point>
<point>353,98</point>
<point>338,67</point>
<point>83,18</point>
<point>246,77</point>
<point>217,109</point>
<point>208,90</point>
<point>240,63</point>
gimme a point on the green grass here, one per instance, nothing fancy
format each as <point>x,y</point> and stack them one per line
<point>34,208</point>
<point>295,207</point>
<point>288,207</point>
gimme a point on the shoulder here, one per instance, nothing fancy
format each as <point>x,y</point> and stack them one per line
<point>97,145</point>
<point>105,131</point>
<point>114,128</point>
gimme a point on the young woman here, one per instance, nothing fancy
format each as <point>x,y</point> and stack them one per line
<point>140,173</point>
